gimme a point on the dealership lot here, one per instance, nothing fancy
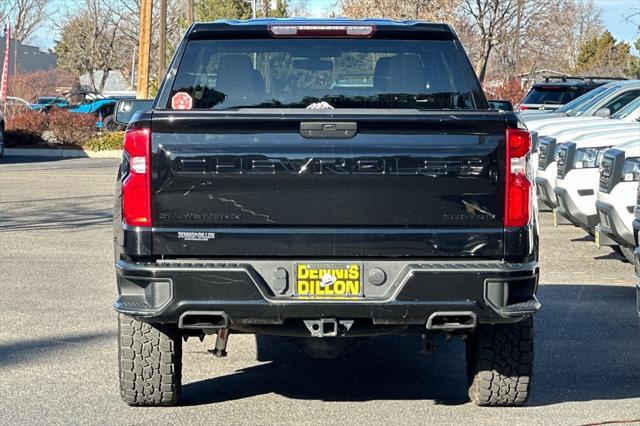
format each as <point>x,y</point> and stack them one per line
<point>58,340</point>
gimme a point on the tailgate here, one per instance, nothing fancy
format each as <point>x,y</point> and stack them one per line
<point>266,185</point>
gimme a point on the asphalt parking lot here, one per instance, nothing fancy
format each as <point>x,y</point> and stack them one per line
<point>58,334</point>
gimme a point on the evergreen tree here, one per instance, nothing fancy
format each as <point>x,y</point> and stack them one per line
<point>634,67</point>
<point>603,55</point>
<point>210,10</point>
<point>281,10</point>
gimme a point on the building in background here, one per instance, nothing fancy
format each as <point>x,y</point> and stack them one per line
<point>27,58</point>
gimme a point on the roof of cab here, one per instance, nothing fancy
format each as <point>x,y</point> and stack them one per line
<point>264,23</point>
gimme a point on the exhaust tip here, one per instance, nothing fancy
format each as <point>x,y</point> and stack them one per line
<point>203,320</point>
<point>449,321</point>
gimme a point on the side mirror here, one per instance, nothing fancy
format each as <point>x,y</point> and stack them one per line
<point>603,112</point>
<point>501,105</point>
<point>125,109</point>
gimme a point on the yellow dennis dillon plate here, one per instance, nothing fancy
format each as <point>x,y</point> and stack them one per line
<point>338,281</point>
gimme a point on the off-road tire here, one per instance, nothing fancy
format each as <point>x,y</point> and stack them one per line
<point>149,362</point>
<point>499,363</point>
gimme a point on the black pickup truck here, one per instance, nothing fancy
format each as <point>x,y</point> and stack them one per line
<point>324,180</point>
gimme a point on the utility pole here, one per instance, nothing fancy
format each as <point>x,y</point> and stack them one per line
<point>162,42</point>
<point>190,17</point>
<point>144,50</point>
<point>132,81</point>
<point>253,8</point>
<point>516,38</point>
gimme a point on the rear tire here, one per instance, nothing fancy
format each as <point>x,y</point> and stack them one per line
<point>499,363</point>
<point>149,362</point>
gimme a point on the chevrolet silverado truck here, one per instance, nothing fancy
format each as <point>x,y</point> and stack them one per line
<point>618,187</point>
<point>327,181</point>
<point>578,176</point>
<point>550,144</point>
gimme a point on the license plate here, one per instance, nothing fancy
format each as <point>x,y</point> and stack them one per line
<point>328,280</point>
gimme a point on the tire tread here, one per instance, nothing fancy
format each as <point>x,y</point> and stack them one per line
<point>500,361</point>
<point>149,362</point>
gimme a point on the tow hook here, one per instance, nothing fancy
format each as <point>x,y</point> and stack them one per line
<point>220,349</point>
<point>328,327</point>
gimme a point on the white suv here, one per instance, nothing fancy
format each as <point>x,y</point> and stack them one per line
<point>617,195</point>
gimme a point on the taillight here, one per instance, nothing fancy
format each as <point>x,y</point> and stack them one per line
<point>517,202</point>
<point>351,31</point>
<point>522,108</point>
<point>136,186</point>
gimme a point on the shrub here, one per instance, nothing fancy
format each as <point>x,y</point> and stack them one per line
<point>105,141</point>
<point>30,85</point>
<point>26,128</point>
<point>71,127</point>
<point>510,90</point>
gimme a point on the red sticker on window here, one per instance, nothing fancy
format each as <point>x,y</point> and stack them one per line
<point>181,100</point>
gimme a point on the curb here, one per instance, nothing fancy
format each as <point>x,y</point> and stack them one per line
<point>61,153</point>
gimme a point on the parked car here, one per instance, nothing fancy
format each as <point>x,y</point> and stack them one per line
<point>102,109</point>
<point>88,102</point>
<point>617,196</point>
<point>49,101</point>
<point>578,175</point>
<point>556,91</point>
<point>603,101</point>
<point>297,207</point>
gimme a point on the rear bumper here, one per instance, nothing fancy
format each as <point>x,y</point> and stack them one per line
<point>248,294</point>
<point>568,209</point>
<point>612,225</point>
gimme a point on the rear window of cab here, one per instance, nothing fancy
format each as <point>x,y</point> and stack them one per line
<point>340,73</point>
<point>554,94</point>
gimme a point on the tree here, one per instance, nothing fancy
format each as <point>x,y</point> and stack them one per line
<point>281,10</point>
<point>129,14</point>
<point>433,10</point>
<point>494,21</point>
<point>634,67</point>
<point>89,41</point>
<point>25,16</point>
<point>603,55</point>
<point>210,10</point>
<point>264,9</point>
<point>28,16</point>
<point>548,37</point>
<point>298,7</point>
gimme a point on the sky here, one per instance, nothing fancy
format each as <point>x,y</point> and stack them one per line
<point>613,14</point>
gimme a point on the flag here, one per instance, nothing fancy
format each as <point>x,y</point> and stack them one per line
<point>5,66</point>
